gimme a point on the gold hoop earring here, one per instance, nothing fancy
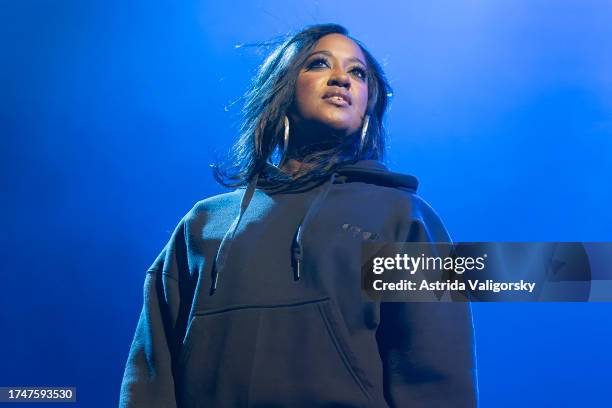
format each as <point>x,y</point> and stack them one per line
<point>364,132</point>
<point>285,142</point>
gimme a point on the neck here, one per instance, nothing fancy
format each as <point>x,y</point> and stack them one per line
<point>294,167</point>
<point>308,136</point>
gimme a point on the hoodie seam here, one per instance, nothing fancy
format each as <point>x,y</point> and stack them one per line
<point>251,306</point>
<point>342,353</point>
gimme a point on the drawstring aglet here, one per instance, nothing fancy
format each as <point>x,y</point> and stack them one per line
<point>299,266</point>
<point>215,278</point>
<point>297,257</point>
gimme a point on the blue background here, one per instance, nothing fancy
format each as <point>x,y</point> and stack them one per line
<point>111,113</point>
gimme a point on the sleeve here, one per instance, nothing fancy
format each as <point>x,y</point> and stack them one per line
<point>148,379</point>
<point>427,349</point>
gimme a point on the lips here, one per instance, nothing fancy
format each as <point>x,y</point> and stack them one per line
<point>337,97</point>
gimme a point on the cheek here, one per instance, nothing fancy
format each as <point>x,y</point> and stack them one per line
<point>305,95</point>
<point>362,99</point>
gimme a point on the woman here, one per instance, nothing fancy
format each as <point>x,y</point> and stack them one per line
<point>256,298</point>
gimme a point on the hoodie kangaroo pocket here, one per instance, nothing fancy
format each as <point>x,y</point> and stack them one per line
<point>291,355</point>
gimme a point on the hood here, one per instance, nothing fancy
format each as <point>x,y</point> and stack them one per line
<point>365,171</point>
<point>374,172</point>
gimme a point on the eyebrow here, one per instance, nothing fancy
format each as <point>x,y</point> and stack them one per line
<point>329,54</point>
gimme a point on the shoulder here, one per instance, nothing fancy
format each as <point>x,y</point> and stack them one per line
<point>417,212</point>
<point>409,204</point>
<point>223,203</point>
<point>214,203</point>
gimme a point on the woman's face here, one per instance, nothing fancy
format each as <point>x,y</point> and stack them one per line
<point>332,88</point>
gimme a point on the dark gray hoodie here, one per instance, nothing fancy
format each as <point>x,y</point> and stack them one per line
<point>255,301</point>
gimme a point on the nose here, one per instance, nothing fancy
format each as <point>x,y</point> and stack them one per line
<point>339,78</point>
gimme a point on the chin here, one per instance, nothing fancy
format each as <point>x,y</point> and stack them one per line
<point>339,124</point>
<point>341,129</point>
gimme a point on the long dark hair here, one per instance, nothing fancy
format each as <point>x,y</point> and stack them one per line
<point>270,96</point>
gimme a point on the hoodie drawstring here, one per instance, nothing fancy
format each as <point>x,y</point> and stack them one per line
<point>297,250</point>
<point>228,238</point>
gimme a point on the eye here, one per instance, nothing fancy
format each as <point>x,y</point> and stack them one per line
<point>318,63</point>
<point>321,63</point>
<point>359,73</point>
